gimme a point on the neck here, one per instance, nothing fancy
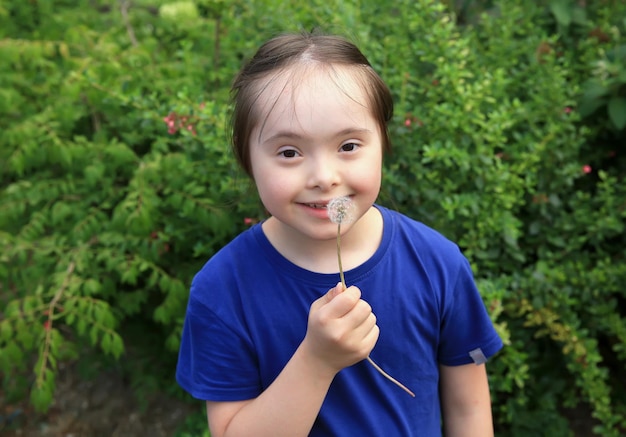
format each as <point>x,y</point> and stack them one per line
<point>358,243</point>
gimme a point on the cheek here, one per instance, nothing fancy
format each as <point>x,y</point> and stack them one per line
<point>372,184</point>
<point>369,176</point>
<point>271,187</point>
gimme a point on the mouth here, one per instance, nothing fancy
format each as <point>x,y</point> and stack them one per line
<point>316,205</point>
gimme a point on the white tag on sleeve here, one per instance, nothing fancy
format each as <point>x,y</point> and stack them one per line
<point>478,356</point>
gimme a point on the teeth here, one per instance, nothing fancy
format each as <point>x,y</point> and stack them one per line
<point>316,205</point>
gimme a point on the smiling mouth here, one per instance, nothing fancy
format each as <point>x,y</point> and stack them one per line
<point>316,205</point>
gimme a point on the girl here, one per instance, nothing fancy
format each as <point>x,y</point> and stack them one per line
<point>268,342</point>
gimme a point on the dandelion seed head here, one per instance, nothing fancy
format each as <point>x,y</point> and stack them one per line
<point>341,210</point>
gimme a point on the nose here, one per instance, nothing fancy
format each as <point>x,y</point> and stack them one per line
<point>324,173</point>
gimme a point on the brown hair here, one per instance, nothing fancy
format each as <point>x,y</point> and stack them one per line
<point>285,50</point>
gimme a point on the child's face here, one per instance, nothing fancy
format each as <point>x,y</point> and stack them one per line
<point>318,140</point>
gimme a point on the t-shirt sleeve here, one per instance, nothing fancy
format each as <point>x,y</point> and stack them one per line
<point>467,333</point>
<point>216,360</point>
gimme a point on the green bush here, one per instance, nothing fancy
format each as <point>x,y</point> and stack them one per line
<point>117,183</point>
<point>494,153</point>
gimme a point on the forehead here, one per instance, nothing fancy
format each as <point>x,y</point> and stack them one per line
<point>313,98</point>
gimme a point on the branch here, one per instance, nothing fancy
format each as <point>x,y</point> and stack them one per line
<point>95,117</point>
<point>51,307</point>
<point>125,4</point>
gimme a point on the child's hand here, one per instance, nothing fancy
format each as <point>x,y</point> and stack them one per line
<point>342,329</point>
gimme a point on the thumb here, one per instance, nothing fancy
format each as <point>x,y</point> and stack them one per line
<point>335,291</point>
<point>331,294</point>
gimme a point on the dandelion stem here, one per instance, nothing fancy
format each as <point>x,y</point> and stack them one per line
<point>389,377</point>
<point>343,284</point>
<point>341,276</point>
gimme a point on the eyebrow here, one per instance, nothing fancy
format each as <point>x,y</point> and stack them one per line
<point>296,136</point>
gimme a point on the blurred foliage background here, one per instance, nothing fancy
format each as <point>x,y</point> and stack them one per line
<point>117,182</point>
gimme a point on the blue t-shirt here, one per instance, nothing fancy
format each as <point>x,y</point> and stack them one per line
<point>248,312</point>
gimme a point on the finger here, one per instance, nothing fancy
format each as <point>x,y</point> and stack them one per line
<point>367,327</point>
<point>352,290</point>
<point>347,303</point>
<point>360,317</point>
<point>363,337</point>
<point>371,338</point>
<point>335,291</point>
<point>360,312</point>
<point>344,302</point>
<point>332,293</point>
<point>325,299</point>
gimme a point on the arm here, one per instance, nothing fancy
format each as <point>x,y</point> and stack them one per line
<point>341,331</point>
<point>465,401</point>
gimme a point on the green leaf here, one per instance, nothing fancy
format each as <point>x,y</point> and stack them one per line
<point>588,106</point>
<point>579,15</point>
<point>41,398</point>
<point>60,211</point>
<point>93,173</point>
<point>6,331</point>
<point>14,354</point>
<point>105,343</point>
<point>26,337</point>
<point>81,326</point>
<point>129,275</point>
<point>93,335</point>
<point>92,287</point>
<point>70,318</point>
<point>562,11</point>
<point>117,345</point>
<point>617,111</point>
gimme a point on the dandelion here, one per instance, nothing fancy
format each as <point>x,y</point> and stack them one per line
<point>341,211</point>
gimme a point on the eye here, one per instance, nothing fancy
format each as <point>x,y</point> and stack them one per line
<point>288,153</point>
<point>349,147</point>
